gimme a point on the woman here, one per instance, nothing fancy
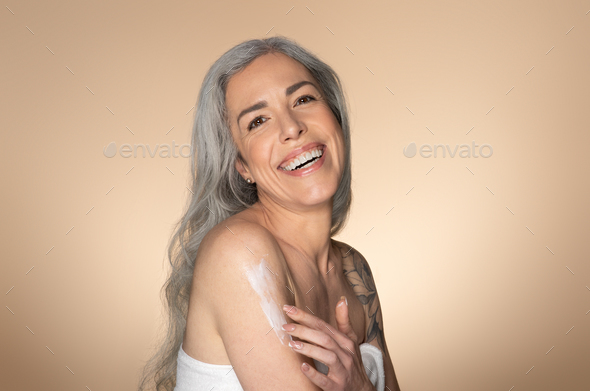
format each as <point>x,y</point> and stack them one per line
<point>271,186</point>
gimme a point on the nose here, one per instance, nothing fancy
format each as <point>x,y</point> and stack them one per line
<point>291,127</point>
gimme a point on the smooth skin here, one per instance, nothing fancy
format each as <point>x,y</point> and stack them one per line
<point>290,228</point>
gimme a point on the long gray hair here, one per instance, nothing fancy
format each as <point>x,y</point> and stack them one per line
<point>219,191</point>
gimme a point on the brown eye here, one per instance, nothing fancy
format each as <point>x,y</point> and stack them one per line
<point>255,123</point>
<point>306,97</point>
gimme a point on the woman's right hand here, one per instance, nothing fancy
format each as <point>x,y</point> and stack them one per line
<point>338,349</point>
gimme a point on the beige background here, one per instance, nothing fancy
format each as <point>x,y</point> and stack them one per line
<point>481,265</point>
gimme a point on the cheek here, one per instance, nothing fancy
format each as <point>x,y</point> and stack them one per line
<point>260,153</point>
<point>339,142</point>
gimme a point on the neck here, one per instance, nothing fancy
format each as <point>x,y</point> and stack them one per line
<point>306,231</point>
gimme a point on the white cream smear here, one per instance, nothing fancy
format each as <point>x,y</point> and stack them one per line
<point>263,282</point>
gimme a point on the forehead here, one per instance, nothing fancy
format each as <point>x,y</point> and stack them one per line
<point>267,72</point>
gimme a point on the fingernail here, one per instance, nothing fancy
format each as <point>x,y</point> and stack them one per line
<point>290,309</point>
<point>305,367</point>
<point>295,344</point>
<point>345,301</point>
<point>288,327</point>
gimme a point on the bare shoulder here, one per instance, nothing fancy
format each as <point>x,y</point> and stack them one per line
<point>234,233</point>
<point>357,269</point>
<point>229,249</point>
<point>245,273</point>
<point>359,275</point>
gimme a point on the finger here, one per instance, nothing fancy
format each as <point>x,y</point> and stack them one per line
<point>313,322</point>
<point>328,357</point>
<point>316,377</point>
<point>319,338</point>
<point>315,330</point>
<point>343,320</point>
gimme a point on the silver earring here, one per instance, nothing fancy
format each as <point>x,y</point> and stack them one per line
<point>248,180</point>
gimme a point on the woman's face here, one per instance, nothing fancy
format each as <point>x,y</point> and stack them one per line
<point>276,109</point>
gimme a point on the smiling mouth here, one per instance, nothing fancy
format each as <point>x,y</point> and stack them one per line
<point>304,160</point>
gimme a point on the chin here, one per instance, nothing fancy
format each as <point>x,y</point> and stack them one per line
<point>317,196</point>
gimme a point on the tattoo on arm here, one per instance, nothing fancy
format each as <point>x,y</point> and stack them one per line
<point>357,271</point>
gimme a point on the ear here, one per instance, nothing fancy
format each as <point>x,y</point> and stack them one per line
<point>242,168</point>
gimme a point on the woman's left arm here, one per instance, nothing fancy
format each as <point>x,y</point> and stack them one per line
<point>357,270</point>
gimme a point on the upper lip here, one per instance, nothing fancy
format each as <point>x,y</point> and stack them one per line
<point>298,151</point>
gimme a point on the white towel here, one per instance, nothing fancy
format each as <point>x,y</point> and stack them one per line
<point>195,375</point>
<point>373,362</point>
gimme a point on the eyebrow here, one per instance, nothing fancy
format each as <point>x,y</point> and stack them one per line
<point>262,104</point>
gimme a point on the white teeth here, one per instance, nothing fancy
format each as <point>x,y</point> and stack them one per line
<point>304,158</point>
<point>309,164</point>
